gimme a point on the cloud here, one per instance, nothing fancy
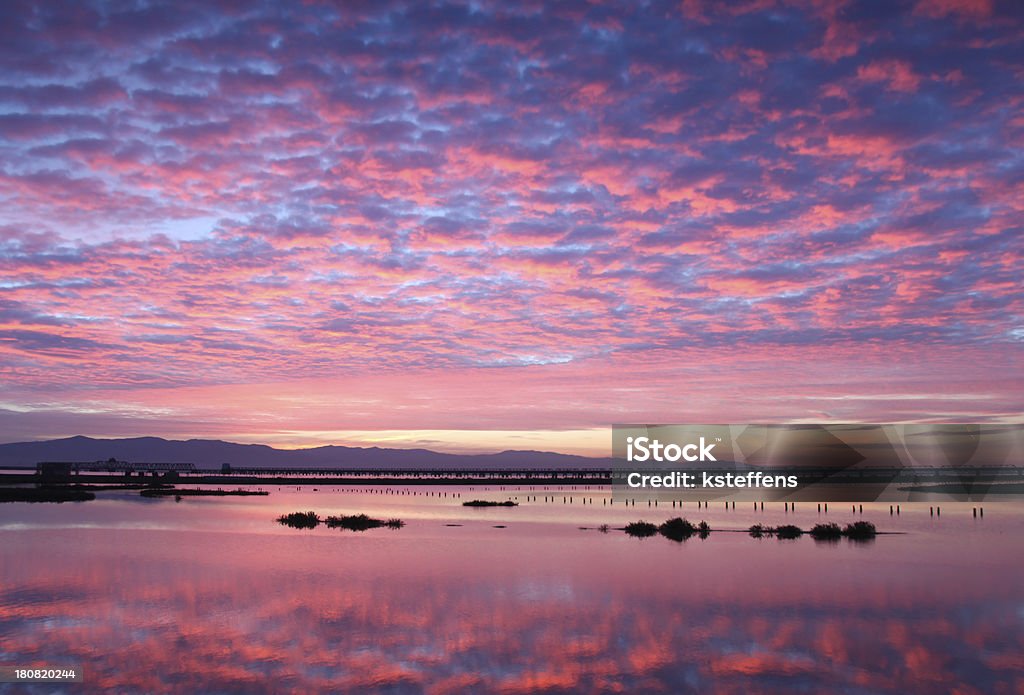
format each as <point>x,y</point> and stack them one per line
<point>308,192</point>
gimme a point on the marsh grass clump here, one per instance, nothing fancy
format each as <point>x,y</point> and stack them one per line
<point>488,503</point>
<point>860,531</point>
<point>354,522</point>
<point>826,532</point>
<point>760,530</point>
<point>641,529</point>
<point>300,520</point>
<point>361,522</point>
<point>677,529</point>
<point>788,531</point>
<point>603,528</point>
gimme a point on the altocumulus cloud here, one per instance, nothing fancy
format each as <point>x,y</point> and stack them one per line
<point>205,193</point>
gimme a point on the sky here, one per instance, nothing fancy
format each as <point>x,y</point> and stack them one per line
<point>490,225</point>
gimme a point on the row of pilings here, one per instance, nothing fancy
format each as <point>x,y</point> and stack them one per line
<point>822,507</point>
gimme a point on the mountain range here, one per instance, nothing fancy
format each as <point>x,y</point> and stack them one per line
<point>211,453</point>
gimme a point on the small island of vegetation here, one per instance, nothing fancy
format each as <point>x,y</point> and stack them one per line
<point>788,531</point>
<point>44,494</point>
<point>860,530</point>
<point>487,503</point>
<point>679,529</point>
<point>353,522</point>
<point>857,531</point>
<point>170,492</point>
<point>361,522</point>
<point>826,532</point>
<point>640,529</point>
<point>299,520</point>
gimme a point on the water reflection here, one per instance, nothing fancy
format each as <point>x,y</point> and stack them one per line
<point>540,608</point>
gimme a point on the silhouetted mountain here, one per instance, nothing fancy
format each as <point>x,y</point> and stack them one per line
<point>209,453</point>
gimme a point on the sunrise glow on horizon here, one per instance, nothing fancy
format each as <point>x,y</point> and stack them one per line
<point>491,226</point>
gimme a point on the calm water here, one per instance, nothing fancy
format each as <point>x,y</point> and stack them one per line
<point>211,595</point>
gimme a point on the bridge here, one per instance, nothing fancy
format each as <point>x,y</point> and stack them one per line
<point>439,474</point>
<point>56,470</point>
<point>52,469</point>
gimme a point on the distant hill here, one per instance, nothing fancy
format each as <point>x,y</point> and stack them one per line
<point>211,453</point>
